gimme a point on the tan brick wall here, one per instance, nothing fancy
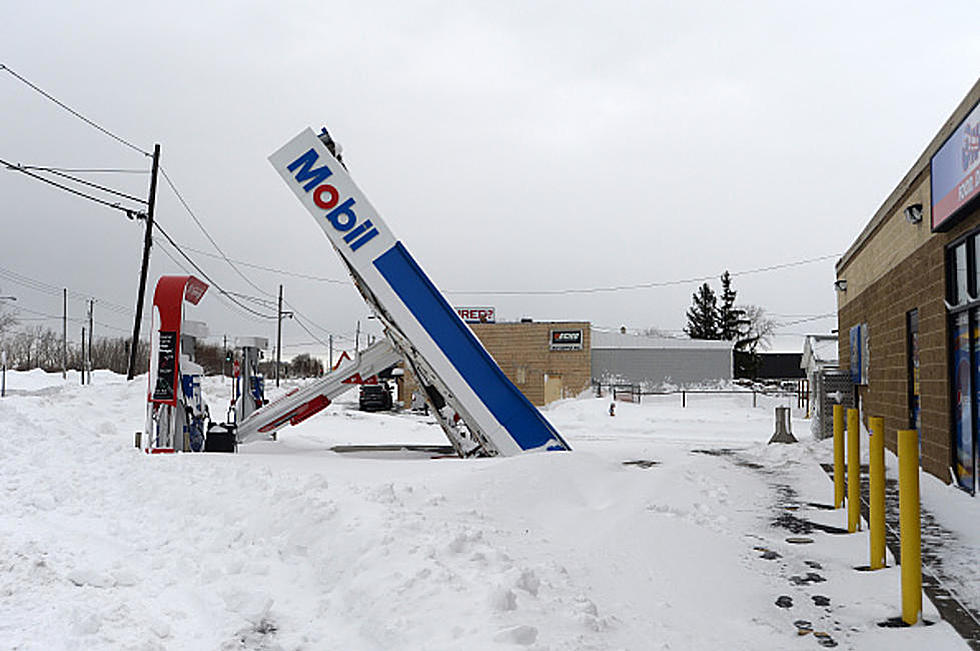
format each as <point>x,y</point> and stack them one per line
<point>526,346</point>
<point>915,280</point>
<point>893,241</point>
<point>517,346</point>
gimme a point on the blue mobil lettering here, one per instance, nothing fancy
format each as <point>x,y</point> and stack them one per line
<point>340,214</point>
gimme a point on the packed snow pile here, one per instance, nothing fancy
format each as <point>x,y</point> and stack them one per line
<point>659,531</point>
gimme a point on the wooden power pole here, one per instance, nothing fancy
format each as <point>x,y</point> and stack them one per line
<point>147,241</point>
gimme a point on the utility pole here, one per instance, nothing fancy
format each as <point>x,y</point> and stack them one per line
<point>330,341</point>
<point>279,335</point>
<point>147,241</point>
<point>357,337</point>
<point>279,317</point>
<point>82,374</point>
<point>91,312</point>
<point>64,335</point>
<point>224,353</point>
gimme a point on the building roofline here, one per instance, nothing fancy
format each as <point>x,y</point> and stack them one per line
<point>921,164</point>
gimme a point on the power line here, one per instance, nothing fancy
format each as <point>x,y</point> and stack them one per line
<point>88,170</point>
<point>487,292</point>
<point>65,175</point>
<point>58,317</point>
<point>650,285</point>
<point>208,278</point>
<point>131,213</point>
<point>221,299</point>
<point>53,290</point>
<point>231,263</point>
<point>816,317</point>
<point>78,115</point>
<point>208,235</point>
<point>283,272</point>
<point>308,331</point>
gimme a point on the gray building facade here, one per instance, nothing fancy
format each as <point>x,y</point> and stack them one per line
<point>655,362</point>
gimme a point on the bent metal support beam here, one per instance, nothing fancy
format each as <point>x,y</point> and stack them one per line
<point>299,404</point>
<point>479,409</point>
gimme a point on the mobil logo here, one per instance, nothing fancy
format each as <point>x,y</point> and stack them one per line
<point>340,213</point>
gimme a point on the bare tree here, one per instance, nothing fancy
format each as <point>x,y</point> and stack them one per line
<point>304,365</point>
<point>756,333</point>
<point>760,328</point>
<point>7,322</point>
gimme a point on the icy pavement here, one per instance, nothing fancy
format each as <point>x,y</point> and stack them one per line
<point>290,545</point>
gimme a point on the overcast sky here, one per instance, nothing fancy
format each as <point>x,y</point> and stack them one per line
<point>516,146</point>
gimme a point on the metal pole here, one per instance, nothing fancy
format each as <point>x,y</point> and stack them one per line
<point>876,491</point>
<point>838,456</point>
<point>330,340</point>
<point>279,336</point>
<point>357,337</point>
<point>224,353</point>
<point>853,471</point>
<point>147,241</point>
<point>82,374</point>
<point>910,525</point>
<point>64,336</point>
<point>91,312</point>
<point>3,381</point>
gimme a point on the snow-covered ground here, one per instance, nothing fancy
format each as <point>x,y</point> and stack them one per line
<point>290,545</point>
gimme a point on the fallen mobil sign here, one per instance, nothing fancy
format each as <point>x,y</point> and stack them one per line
<point>480,410</point>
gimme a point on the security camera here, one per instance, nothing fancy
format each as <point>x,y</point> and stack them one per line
<point>913,213</point>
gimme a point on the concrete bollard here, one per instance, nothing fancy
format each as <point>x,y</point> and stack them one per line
<point>853,471</point>
<point>910,525</point>
<point>876,491</point>
<point>838,456</point>
<point>783,433</point>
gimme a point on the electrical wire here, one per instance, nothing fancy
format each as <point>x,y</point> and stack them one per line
<point>218,287</point>
<point>88,170</point>
<point>207,234</point>
<point>650,285</point>
<point>59,317</point>
<point>221,299</point>
<point>52,290</point>
<point>282,272</point>
<point>475,292</point>
<point>131,213</point>
<point>83,182</point>
<point>78,115</point>
<point>231,263</point>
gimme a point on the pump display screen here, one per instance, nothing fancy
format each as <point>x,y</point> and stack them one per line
<point>163,390</point>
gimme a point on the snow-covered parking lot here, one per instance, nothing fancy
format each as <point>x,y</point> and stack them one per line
<point>291,545</point>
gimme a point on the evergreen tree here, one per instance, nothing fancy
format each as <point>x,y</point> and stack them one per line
<point>731,320</point>
<point>702,317</point>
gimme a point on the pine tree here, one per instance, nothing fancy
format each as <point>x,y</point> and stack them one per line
<point>731,320</point>
<point>702,317</point>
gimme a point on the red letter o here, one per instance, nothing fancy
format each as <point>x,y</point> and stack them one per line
<point>329,189</point>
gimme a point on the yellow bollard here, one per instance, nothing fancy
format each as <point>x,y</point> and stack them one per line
<point>853,471</point>
<point>876,492</point>
<point>910,524</point>
<point>838,456</point>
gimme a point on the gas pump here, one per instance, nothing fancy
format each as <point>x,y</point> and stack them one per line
<point>176,415</point>
<point>249,386</point>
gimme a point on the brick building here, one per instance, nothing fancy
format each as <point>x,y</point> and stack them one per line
<point>546,360</point>
<point>909,302</point>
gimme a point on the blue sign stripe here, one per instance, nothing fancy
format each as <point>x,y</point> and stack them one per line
<point>519,417</point>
